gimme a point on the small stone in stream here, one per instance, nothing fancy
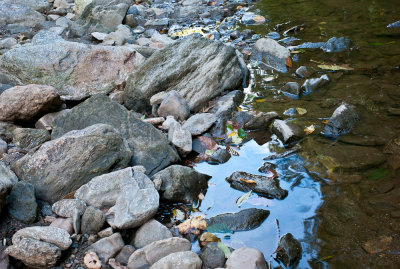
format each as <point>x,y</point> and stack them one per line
<point>124,254</point>
<point>180,138</point>
<point>150,232</point>
<point>46,121</point>
<point>92,220</point>
<point>395,24</point>
<point>291,90</point>
<point>313,84</point>
<point>199,123</point>
<point>303,72</point>
<point>220,155</point>
<point>266,167</point>
<point>65,224</point>
<point>107,247</point>
<point>260,120</point>
<point>378,244</point>
<point>106,232</point>
<point>290,112</point>
<point>34,253</point>
<point>290,250</point>
<point>174,105</point>
<point>250,18</point>
<point>92,261</point>
<point>244,220</point>
<point>248,258</point>
<point>342,121</point>
<point>289,133</point>
<point>28,138</point>
<point>335,44</point>
<point>21,202</point>
<point>180,183</point>
<point>212,256</point>
<point>65,208</point>
<point>181,260</point>
<point>262,185</point>
<point>273,35</point>
<point>271,53</point>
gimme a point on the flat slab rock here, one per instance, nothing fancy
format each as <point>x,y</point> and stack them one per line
<point>265,186</point>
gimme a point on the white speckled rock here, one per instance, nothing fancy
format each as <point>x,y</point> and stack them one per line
<point>53,235</point>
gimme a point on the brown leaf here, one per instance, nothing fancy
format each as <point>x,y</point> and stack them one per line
<point>207,237</point>
<point>248,181</point>
<point>208,143</point>
<point>194,226</point>
<point>288,62</point>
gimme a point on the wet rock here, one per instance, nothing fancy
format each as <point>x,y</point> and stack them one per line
<point>262,185</point>
<point>260,120</point>
<point>303,72</point>
<point>83,153</point>
<point>180,138</point>
<point>288,132</point>
<point>212,256</point>
<point>266,167</point>
<point>124,254</point>
<point>180,183</point>
<point>250,18</point>
<point>395,24</point>
<point>151,148</point>
<point>335,44</point>
<point>196,68</point>
<point>108,247</point>
<point>24,103</point>
<point>184,260</point>
<point>100,16</point>
<point>130,194</point>
<point>271,53</point>
<point>52,235</point>
<point>21,202</point>
<point>199,123</point>
<point>290,112</point>
<point>65,224</point>
<point>46,121</point>
<point>220,156</point>
<point>150,254</point>
<point>19,15</point>
<point>34,253</point>
<point>291,250</point>
<point>92,220</point>
<point>66,207</point>
<point>342,121</point>
<point>244,220</point>
<point>28,138</point>
<point>291,90</point>
<point>150,232</point>
<point>174,105</point>
<point>246,258</point>
<point>313,84</point>
<point>76,70</point>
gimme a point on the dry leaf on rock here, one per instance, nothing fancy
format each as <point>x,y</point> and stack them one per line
<point>207,237</point>
<point>194,226</point>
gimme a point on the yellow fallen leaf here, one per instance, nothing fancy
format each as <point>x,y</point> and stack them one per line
<point>334,67</point>
<point>208,237</point>
<point>309,129</point>
<point>288,62</point>
<point>301,111</point>
<point>194,226</point>
<point>247,181</point>
<point>325,121</point>
<point>260,100</point>
<point>232,134</point>
<point>239,109</point>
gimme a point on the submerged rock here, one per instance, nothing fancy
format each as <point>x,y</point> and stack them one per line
<point>196,68</point>
<point>313,84</point>
<point>262,185</point>
<point>244,220</point>
<point>288,132</point>
<point>290,250</point>
<point>291,90</point>
<point>335,44</point>
<point>248,258</point>
<point>271,53</point>
<point>342,121</point>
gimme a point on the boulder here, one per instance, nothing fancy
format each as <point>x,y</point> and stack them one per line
<point>248,258</point>
<point>92,220</point>
<point>151,148</point>
<point>150,254</point>
<point>107,247</point>
<point>24,103</point>
<point>52,235</point>
<point>19,14</point>
<point>64,164</point>
<point>261,120</point>
<point>66,207</point>
<point>174,105</point>
<point>199,123</point>
<point>150,232</point>
<point>244,220</point>
<point>38,5</point>
<point>80,5</point>
<point>21,202</point>
<point>196,68</point>
<point>271,54</point>
<point>76,70</point>
<point>182,260</point>
<point>212,256</point>
<point>290,250</point>
<point>336,44</point>
<point>130,194</point>
<point>180,138</point>
<point>262,185</point>
<point>288,132</point>
<point>179,183</point>
<point>313,84</point>
<point>28,138</point>
<point>291,90</point>
<point>342,121</point>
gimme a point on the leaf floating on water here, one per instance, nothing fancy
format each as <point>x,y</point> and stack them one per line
<point>243,198</point>
<point>248,181</point>
<point>236,139</point>
<point>219,228</point>
<point>208,237</point>
<point>310,129</point>
<point>231,134</point>
<point>232,151</point>
<point>224,249</point>
<point>288,62</point>
<point>378,174</point>
<point>301,111</point>
<point>334,67</point>
<point>326,258</point>
<point>241,133</point>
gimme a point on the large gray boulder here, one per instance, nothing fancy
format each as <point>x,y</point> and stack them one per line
<point>196,68</point>
<point>21,15</point>
<point>130,194</point>
<point>38,5</point>
<point>149,146</point>
<point>53,235</point>
<point>62,165</point>
<point>76,70</point>
<point>150,232</point>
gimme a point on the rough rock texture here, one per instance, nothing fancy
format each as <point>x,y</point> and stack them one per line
<point>76,70</point>
<point>65,208</point>
<point>199,123</point>
<point>265,186</point>
<point>150,232</point>
<point>149,146</point>
<point>182,260</point>
<point>20,15</point>
<point>174,105</point>
<point>65,224</point>
<point>180,183</point>
<point>28,138</point>
<point>261,120</point>
<point>287,132</point>
<point>130,194</point>
<point>290,250</point>
<point>7,180</point>
<point>270,53</point>
<point>180,138</point>
<point>24,103</point>
<point>6,131</point>
<point>34,253</point>
<point>62,165</point>
<point>124,254</point>
<point>92,220</point>
<point>38,5</point>
<point>46,121</point>
<point>212,256</point>
<point>342,121</point>
<point>248,258</point>
<point>291,90</point>
<point>52,235</point>
<point>150,254</point>
<point>196,68</point>
<point>107,247</point>
<point>3,147</point>
<point>21,202</point>
<point>313,84</point>
<point>244,220</point>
